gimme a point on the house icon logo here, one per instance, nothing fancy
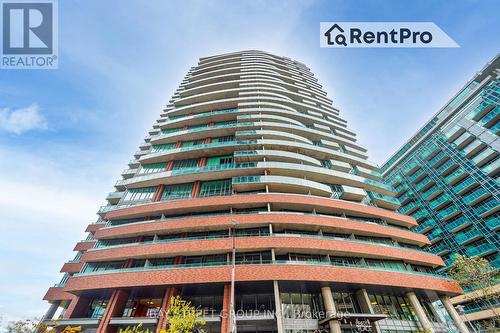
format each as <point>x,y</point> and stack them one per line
<point>335,35</point>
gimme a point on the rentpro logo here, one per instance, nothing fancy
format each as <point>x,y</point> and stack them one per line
<point>383,34</point>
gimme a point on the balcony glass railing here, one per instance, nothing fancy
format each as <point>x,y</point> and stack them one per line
<point>460,223</point>
<point>400,188</point>
<point>436,159</point>
<point>263,262</point>
<point>249,234</point>
<point>490,116</point>
<point>478,159</point>
<point>441,248</point>
<point>463,185</point>
<point>475,195</point>
<point>378,196</point>
<point>486,207</point>
<point>423,183</point>
<point>481,250</point>
<point>428,224</point>
<point>435,234</point>
<point>448,212</point>
<point>417,174</point>
<point>446,165</point>
<point>493,223</point>
<point>468,236</point>
<point>411,168</point>
<point>451,178</point>
<point>492,167</point>
<point>420,214</point>
<point>406,196</point>
<point>440,200</point>
<point>210,168</point>
<point>409,207</point>
<point>431,192</point>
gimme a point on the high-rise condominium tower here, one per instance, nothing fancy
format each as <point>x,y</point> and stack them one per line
<point>446,177</point>
<point>251,159</point>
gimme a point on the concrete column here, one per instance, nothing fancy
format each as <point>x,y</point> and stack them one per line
<point>277,306</point>
<point>366,306</point>
<point>457,320</point>
<point>419,311</point>
<point>326,294</point>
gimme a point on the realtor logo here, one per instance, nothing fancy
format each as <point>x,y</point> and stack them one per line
<point>29,34</point>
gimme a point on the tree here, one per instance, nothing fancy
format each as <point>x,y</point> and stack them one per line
<point>475,274</point>
<point>28,326</point>
<point>134,329</point>
<point>38,326</point>
<point>183,317</point>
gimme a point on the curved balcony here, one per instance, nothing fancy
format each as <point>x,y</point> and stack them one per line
<point>280,184</point>
<point>265,110</point>
<point>290,220</point>
<point>276,270</point>
<point>275,156</point>
<point>229,147</point>
<point>235,72</point>
<point>280,242</point>
<point>244,62</point>
<point>267,69</point>
<point>292,170</point>
<point>253,100</point>
<point>284,201</point>
<point>261,81</point>
<point>242,91</point>
<point>270,134</point>
<point>233,93</point>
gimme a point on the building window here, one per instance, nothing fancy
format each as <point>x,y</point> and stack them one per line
<point>345,302</point>
<point>388,264</point>
<point>344,261</point>
<point>255,302</point>
<point>198,127</point>
<point>307,257</point>
<point>192,143</point>
<point>220,139</point>
<point>177,191</point>
<point>250,258</point>
<point>207,260</point>
<point>166,146</point>
<point>215,188</point>
<point>96,308</point>
<point>251,232</point>
<point>161,261</point>
<point>220,160</point>
<point>185,164</point>
<point>103,266</point>
<point>395,307</point>
<point>301,306</point>
<point>152,168</point>
<point>171,130</point>
<point>139,194</point>
<point>142,307</point>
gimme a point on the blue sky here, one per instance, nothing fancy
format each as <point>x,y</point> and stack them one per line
<point>66,134</point>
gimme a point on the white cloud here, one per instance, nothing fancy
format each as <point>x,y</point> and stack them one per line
<point>22,120</point>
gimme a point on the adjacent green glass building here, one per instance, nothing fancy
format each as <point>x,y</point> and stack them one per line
<point>447,177</point>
